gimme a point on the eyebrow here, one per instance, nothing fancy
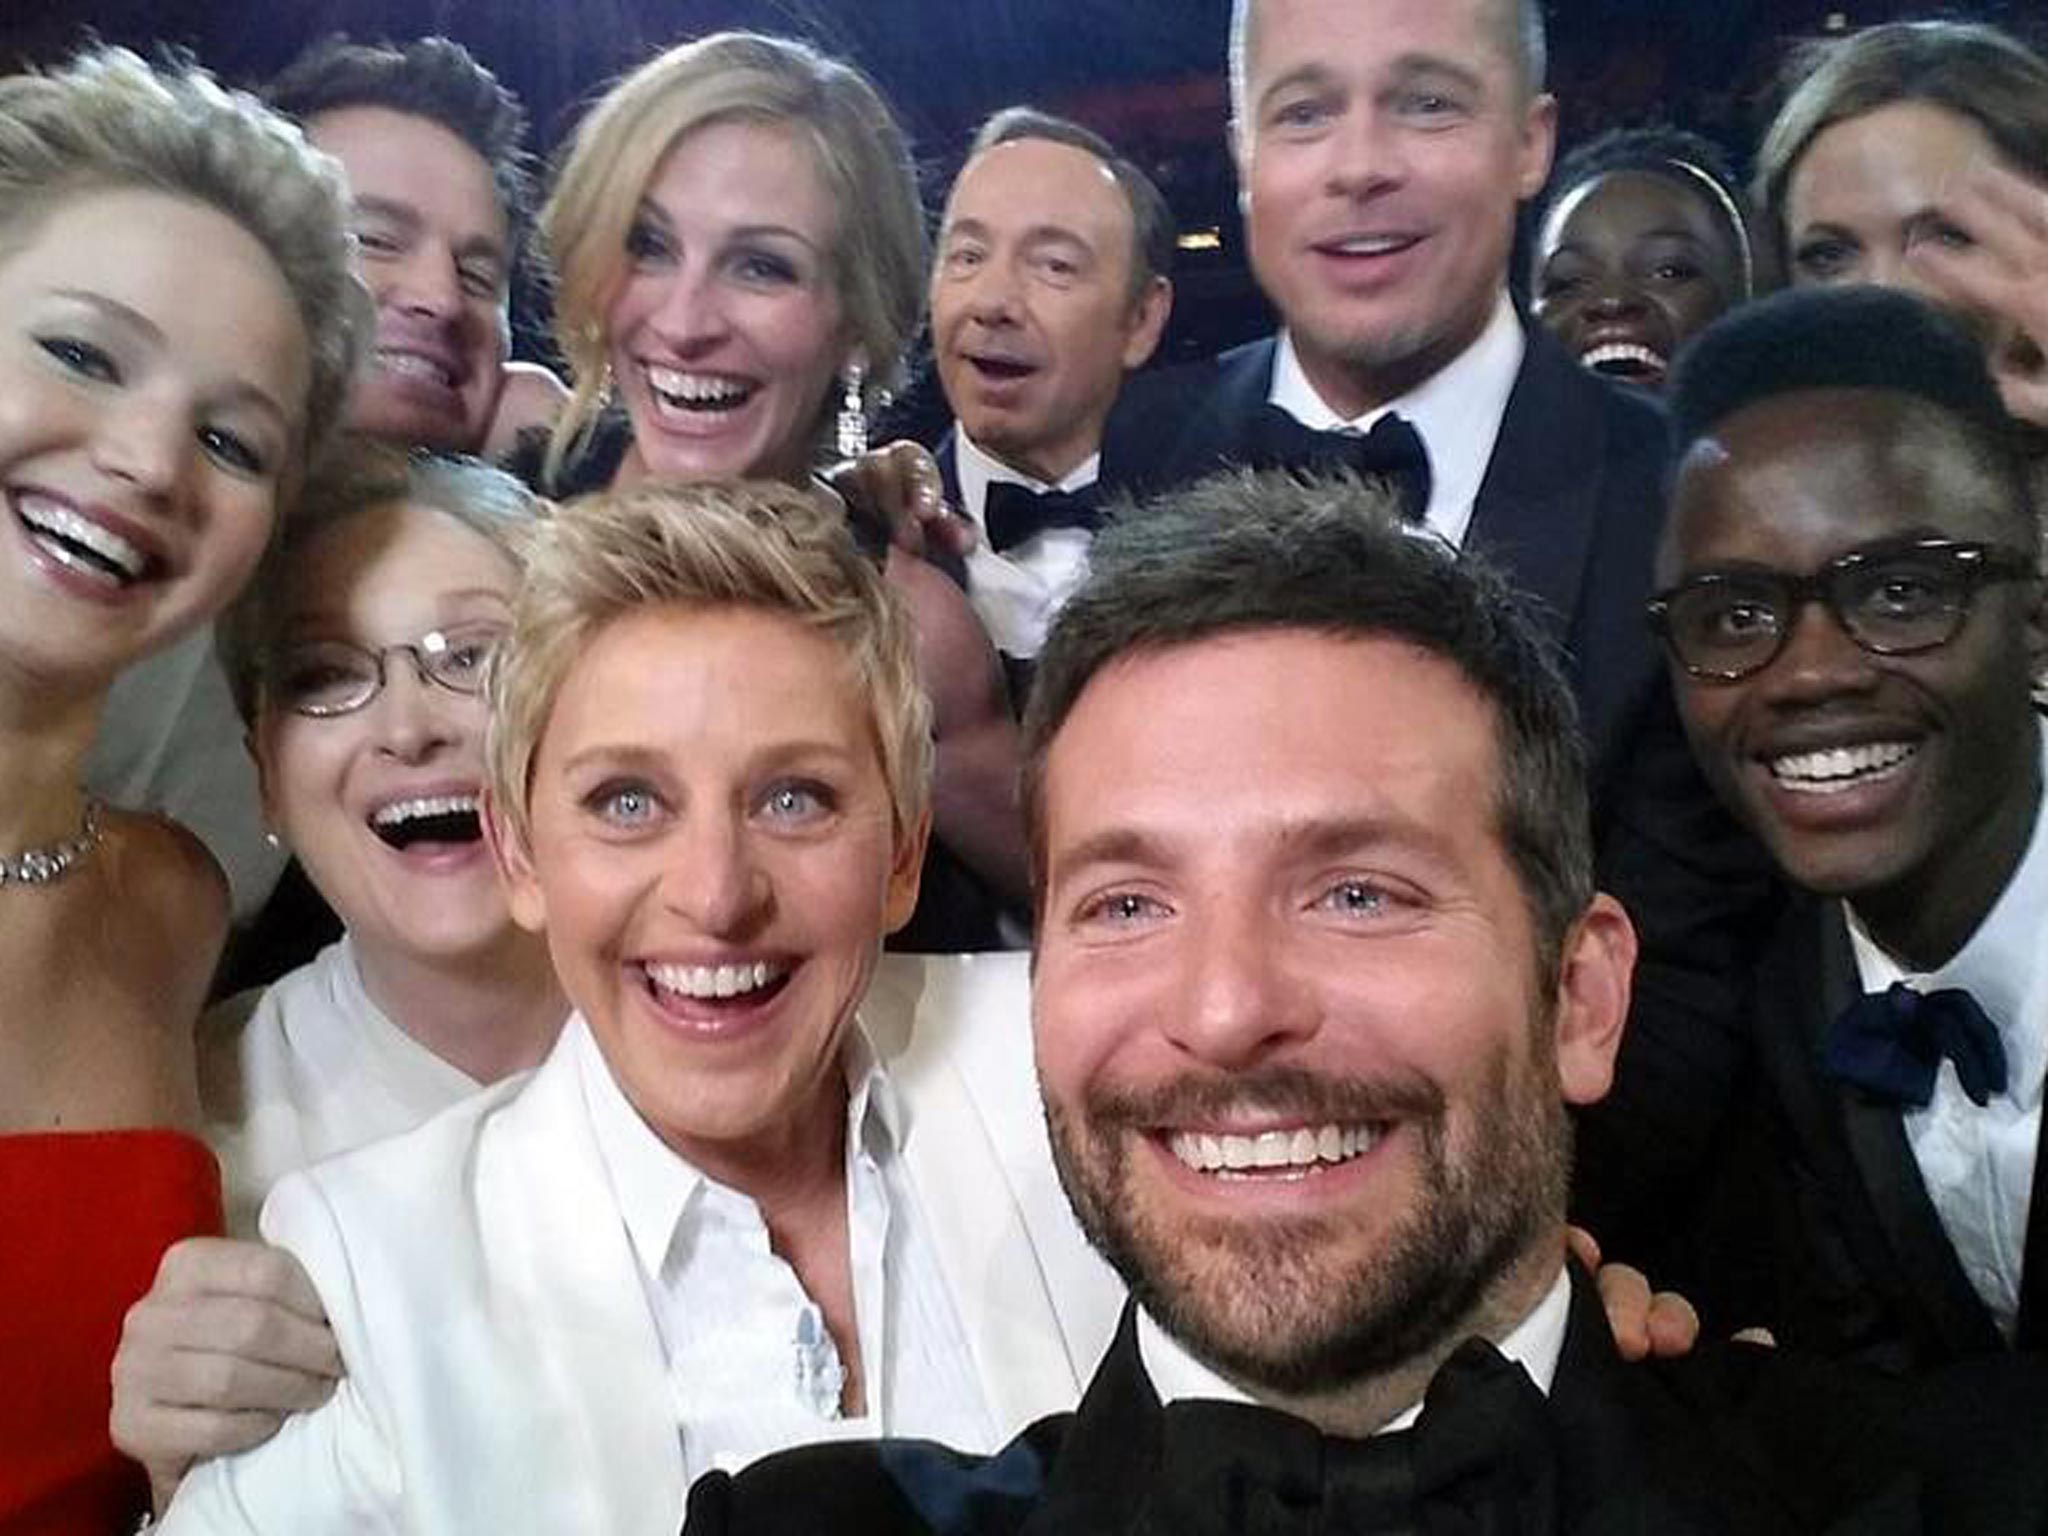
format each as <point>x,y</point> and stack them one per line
<point>1311,838</point>
<point>636,756</point>
<point>413,220</point>
<point>1036,234</point>
<point>650,209</point>
<point>134,320</point>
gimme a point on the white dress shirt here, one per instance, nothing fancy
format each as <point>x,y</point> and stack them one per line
<point>752,1367</point>
<point>1016,593</point>
<point>308,1068</point>
<point>1535,1344</point>
<point>1978,1163</point>
<point>1456,411</point>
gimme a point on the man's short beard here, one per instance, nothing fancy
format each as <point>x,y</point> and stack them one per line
<point>1253,1300</point>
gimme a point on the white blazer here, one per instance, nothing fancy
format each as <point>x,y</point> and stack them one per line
<point>504,1372</point>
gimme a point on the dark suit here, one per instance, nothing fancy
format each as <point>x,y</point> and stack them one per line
<point>1822,1229</point>
<point>1739,1441</point>
<point>1570,508</point>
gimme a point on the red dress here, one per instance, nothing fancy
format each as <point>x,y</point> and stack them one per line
<point>84,1218</point>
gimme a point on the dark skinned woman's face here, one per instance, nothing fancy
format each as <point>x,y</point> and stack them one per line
<point>1628,265</point>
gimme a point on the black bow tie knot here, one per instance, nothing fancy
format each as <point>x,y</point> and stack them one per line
<point>1892,1044</point>
<point>1014,513</point>
<point>1391,451</point>
<point>1481,1461</point>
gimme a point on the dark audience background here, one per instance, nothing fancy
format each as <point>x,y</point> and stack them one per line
<point>1144,72</point>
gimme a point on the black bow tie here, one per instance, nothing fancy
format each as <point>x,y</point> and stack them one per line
<point>1481,1461</point>
<point>1392,450</point>
<point>1893,1042</point>
<point>1014,513</point>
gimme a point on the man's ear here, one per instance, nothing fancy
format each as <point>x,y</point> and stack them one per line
<point>514,859</point>
<point>1592,999</point>
<point>1539,145</point>
<point>1149,317</point>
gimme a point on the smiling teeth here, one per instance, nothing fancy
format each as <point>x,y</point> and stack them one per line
<point>702,981</point>
<point>414,366</point>
<point>695,389</point>
<point>1838,768</point>
<point>412,810</point>
<point>1302,1148</point>
<point>49,517</point>
<point>1373,245</point>
<point>1621,352</point>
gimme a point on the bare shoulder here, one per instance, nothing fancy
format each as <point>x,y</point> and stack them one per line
<point>529,397</point>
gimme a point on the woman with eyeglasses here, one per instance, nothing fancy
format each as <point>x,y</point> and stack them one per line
<point>357,659</point>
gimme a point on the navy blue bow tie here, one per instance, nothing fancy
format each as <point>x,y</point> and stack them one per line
<point>1893,1043</point>
<point>1392,450</point>
<point>1014,513</point>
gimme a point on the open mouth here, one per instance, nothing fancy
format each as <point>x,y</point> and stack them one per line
<point>439,820</point>
<point>745,984</point>
<point>1295,1153</point>
<point>713,394</point>
<point>1833,770</point>
<point>1625,360</point>
<point>80,544</point>
<point>1000,370</point>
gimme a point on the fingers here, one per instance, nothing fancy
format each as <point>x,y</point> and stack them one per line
<point>2004,275</point>
<point>1625,1293</point>
<point>1584,1247</point>
<point>225,1267</point>
<point>199,1349</point>
<point>1673,1325</point>
<point>922,492</point>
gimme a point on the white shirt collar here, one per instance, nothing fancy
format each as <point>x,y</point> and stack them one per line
<point>1998,964</point>
<point>1457,412</point>
<point>977,469</point>
<point>1535,1344</point>
<point>656,1185</point>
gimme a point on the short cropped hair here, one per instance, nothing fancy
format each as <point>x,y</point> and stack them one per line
<point>435,78</point>
<point>1685,159</point>
<point>746,544</point>
<point>108,122</point>
<point>1152,225</point>
<point>1979,73</point>
<point>835,112</point>
<point>1848,338</point>
<point>1244,552</point>
<point>1519,22</point>
<point>360,476</point>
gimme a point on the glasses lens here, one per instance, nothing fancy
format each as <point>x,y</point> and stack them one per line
<point>1904,602</point>
<point>456,658</point>
<point>1726,625</point>
<point>325,679</point>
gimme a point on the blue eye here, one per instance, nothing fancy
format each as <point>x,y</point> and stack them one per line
<point>1357,898</point>
<point>1122,909</point>
<point>644,242</point>
<point>624,805</point>
<point>797,802</point>
<point>81,357</point>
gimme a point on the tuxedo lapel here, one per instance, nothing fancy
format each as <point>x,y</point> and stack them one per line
<point>1883,1158</point>
<point>947,457</point>
<point>1540,500</point>
<point>979,1183</point>
<point>1109,1455</point>
<point>570,1300</point>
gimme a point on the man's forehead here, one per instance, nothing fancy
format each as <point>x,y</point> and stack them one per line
<point>986,188</point>
<point>1341,34</point>
<point>396,157</point>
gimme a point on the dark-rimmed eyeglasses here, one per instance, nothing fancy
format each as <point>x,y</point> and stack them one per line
<point>335,677</point>
<point>1892,599</point>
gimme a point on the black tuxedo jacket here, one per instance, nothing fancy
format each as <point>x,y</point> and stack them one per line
<point>1743,1441</point>
<point>1571,508</point>
<point>1824,1231</point>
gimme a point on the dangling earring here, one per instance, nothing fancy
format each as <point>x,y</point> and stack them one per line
<point>275,842</point>
<point>853,416</point>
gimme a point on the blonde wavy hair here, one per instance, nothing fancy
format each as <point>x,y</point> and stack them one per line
<point>862,159</point>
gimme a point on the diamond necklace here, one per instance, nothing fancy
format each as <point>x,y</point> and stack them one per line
<point>53,861</point>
